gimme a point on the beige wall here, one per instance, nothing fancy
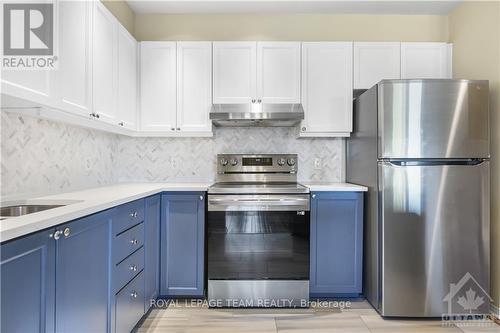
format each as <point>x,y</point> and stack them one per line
<point>474,29</point>
<point>302,27</point>
<point>122,12</point>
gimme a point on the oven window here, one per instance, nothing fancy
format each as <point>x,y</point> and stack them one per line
<point>258,245</point>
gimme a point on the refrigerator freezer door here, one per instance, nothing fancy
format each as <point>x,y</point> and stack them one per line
<point>433,119</point>
<point>435,230</point>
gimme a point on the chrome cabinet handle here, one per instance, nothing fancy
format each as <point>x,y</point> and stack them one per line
<point>303,129</point>
<point>134,215</point>
<point>178,128</point>
<point>56,234</point>
<point>313,196</point>
<point>133,268</point>
<point>134,241</point>
<point>97,115</point>
<point>259,101</point>
<point>172,129</point>
<point>121,123</point>
<point>133,294</point>
<point>253,100</point>
<point>201,197</point>
<point>67,232</point>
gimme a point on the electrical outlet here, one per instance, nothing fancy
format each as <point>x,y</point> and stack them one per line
<point>317,163</point>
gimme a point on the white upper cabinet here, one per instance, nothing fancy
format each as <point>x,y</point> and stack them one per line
<point>278,72</point>
<point>127,79</point>
<point>327,88</point>
<point>256,71</point>
<point>158,86</point>
<point>374,62</point>
<point>194,86</point>
<point>234,72</point>
<point>73,77</point>
<point>104,58</point>
<point>425,60</point>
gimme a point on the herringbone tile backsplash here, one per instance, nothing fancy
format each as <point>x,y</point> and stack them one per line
<point>183,159</point>
<point>41,157</point>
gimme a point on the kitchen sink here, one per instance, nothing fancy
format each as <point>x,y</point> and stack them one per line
<point>25,207</point>
<point>19,210</point>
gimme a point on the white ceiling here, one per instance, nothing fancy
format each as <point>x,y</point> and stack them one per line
<point>421,7</point>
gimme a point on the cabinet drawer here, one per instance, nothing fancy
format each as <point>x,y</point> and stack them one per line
<point>128,215</point>
<point>127,269</point>
<point>127,242</point>
<point>129,305</point>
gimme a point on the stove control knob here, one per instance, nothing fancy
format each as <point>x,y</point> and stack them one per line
<point>234,161</point>
<point>291,161</point>
<point>223,161</point>
<point>281,161</point>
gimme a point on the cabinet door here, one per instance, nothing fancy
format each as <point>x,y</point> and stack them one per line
<point>278,72</point>
<point>27,284</point>
<point>183,244</point>
<point>104,63</point>
<point>374,62</point>
<point>327,88</point>
<point>425,61</point>
<point>74,72</point>
<point>158,86</point>
<point>31,85</point>
<point>234,72</point>
<point>336,243</point>
<point>194,86</point>
<point>127,79</point>
<point>152,250</point>
<point>82,274</point>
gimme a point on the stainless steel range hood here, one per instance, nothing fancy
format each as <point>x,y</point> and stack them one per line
<point>257,114</point>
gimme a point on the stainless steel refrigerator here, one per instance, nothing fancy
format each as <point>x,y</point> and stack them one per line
<point>422,148</point>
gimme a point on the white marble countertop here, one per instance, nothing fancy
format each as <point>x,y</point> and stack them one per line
<point>86,202</point>
<point>334,187</point>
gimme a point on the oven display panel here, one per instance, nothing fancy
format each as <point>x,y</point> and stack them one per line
<point>257,161</point>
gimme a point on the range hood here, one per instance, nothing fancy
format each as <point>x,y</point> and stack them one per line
<point>257,114</point>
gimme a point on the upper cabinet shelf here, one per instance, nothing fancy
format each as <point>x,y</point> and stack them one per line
<point>326,89</point>
<point>377,61</point>
<point>108,81</point>
<point>374,62</point>
<point>176,88</point>
<point>426,61</point>
<point>265,72</point>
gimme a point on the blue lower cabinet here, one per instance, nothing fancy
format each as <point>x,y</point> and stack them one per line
<point>152,250</point>
<point>182,244</point>
<point>27,284</point>
<point>129,305</point>
<point>336,244</point>
<point>82,274</point>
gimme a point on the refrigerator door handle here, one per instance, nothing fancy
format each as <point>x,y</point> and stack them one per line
<point>429,162</point>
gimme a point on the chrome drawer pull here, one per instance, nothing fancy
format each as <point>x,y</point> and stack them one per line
<point>134,215</point>
<point>134,241</point>
<point>133,268</point>
<point>133,294</point>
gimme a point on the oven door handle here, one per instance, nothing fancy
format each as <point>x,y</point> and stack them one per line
<point>258,203</point>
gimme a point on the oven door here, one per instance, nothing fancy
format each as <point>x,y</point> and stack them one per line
<point>258,237</point>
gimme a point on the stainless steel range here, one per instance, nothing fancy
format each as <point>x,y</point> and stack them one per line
<point>258,233</point>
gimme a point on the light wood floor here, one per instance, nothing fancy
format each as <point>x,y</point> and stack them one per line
<point>360,318</point>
